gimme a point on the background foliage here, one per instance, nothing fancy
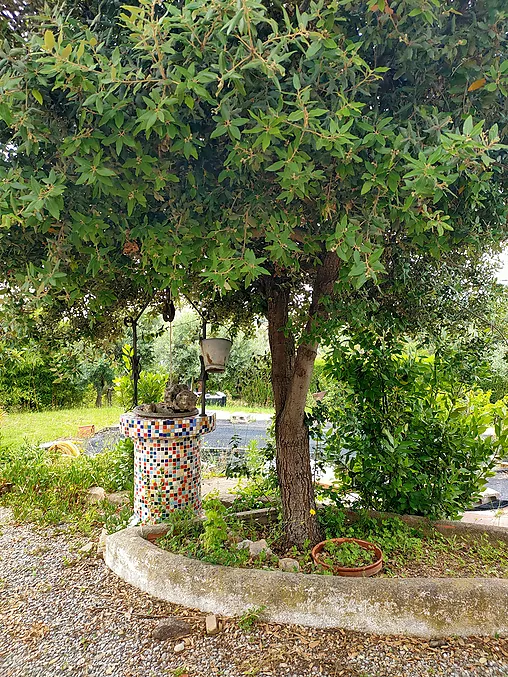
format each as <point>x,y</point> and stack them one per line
<point>408,430</point>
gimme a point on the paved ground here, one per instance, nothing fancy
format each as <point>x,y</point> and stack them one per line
<point>62,615</point>
<point>244,433</point>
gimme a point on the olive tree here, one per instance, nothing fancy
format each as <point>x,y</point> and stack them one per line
<point>273,154</point>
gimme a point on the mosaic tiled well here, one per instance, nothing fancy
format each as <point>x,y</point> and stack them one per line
<point>167,465</point>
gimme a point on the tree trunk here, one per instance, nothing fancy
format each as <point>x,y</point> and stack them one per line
<point>291,375</point>
<point>98,399</point>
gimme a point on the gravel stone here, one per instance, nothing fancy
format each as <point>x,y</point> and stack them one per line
<point>63,615</point>
<point>87,548</point>
<point>101,545</point>
<point>258,547</point>
<point>212,625</point>
<point>96,495</point>
<point>172,628</point>
<point>289,564</point>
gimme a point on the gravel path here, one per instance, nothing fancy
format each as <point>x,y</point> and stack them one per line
<point>63,614</point>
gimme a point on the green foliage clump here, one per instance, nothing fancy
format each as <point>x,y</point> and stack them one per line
<point>408,435</point>
<point>215,532</point>
<point>33,376</point>
<point>250,617</point>
<point>211,540</point>
<point>346,555</point>
<point>396,539</point>
<point>49,488</point>
<point>150,388</point>
<point>259,492</point>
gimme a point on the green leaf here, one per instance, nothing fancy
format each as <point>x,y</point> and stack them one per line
<point>220,130</point>
<point>393,181</point>
<point>366,187</point>
<point>318,112</point>
<point>49,40</point>
<point>276,166</point>
<point>53,208</point>
<point>468,125</point>
<point>493,133</point>
<point>5,114</point>
<point>313,49</point>
<point>104,171</point>
<point>37,95</point>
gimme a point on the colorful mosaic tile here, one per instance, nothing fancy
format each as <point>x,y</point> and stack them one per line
<point>167,465</point>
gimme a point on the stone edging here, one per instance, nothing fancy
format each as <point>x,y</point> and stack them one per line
<point>424,607</point>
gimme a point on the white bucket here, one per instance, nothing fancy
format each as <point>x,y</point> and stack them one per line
<point>215,354</point>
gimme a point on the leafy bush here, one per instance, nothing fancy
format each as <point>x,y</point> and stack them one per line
<point>215,532</point>
<point>346,555</point>
<point>119,465</point>
<point>409,434</point>
<point>150,388</point>
<point>32,377</point>
<point>395,538</point>
<point>49,488</point>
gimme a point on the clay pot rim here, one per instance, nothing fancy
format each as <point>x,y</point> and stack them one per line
<point>367,570</point>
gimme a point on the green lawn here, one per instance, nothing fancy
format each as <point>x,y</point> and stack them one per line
<point>44,426</point>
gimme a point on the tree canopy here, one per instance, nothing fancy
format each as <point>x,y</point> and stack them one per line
<point>209,140</point>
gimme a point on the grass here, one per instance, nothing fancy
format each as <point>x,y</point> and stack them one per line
<point>45,487</point>
<point>44,426</point>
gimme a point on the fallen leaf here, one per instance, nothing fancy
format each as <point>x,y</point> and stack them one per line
<point>477,84</point>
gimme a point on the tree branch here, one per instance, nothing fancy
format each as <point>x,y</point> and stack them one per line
<point>326,277</point>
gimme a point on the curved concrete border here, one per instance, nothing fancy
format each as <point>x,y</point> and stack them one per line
<point>424,607</point>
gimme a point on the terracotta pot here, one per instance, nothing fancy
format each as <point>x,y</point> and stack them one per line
<point>355,572</point>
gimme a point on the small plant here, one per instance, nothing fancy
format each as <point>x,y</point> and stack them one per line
<point>118,520</point>
<point>349,555</point>
<point>250,617</point>
<point>180,672</point>
<point>256,493</point>
<point>215,532</point>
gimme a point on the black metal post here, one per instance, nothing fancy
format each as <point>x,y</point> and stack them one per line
<point>135,363</point>
<point>203,373</point>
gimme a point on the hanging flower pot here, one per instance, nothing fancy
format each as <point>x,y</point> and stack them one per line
<point>215,354</point>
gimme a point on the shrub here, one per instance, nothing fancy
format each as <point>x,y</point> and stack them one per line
<point>150,388</point>
<point>32,377</point>
<point>408,435</point>
<point>49,488</point>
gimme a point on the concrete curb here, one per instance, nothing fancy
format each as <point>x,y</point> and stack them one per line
<point>423,607</point>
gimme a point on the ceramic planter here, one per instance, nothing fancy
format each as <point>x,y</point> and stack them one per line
<point>354,572</point>
<point>215,354</point>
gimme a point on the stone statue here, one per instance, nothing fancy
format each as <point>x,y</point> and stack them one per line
<point>179,398</point>
<point>178,401</point>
